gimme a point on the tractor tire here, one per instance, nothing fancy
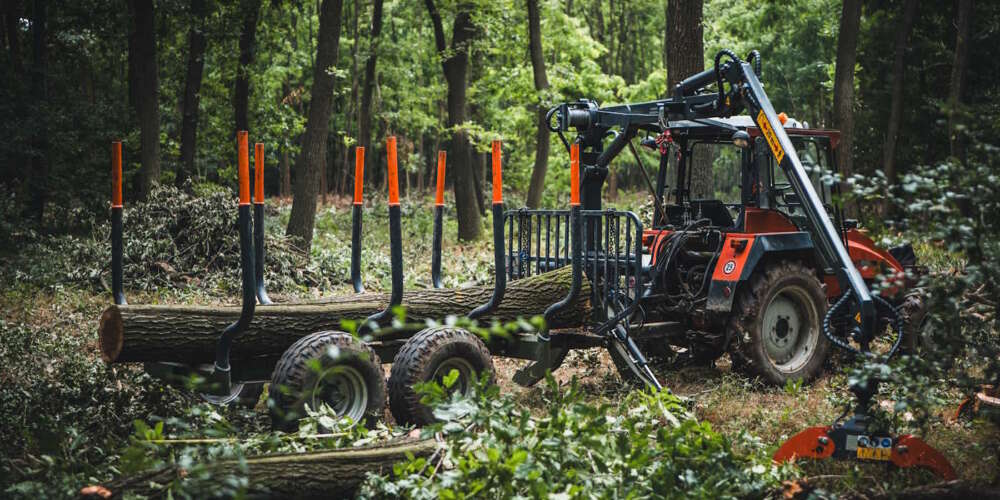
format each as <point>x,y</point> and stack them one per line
<point>776,324</point>
<point>352,383</point>
<point>430,355</point>
<point>914,312</point>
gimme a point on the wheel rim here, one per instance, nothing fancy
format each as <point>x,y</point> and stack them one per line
<point>790,329</point>
<point>463,384</point>
<point>343,388</point>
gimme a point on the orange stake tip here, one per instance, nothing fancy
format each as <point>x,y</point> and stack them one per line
<point>574,175</point>
<point>116,174</point>
<point>258,173</point>
<point>243,166</point>
<point>393,176</point>
<point>359,174</point>
<point>497,173</point>
<point>439,196</point>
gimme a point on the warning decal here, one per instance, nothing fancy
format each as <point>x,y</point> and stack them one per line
<point>772,140</point>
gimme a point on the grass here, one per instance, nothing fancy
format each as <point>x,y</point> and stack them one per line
<point>49,334</point>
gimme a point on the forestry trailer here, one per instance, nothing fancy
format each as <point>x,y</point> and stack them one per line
<point>773,277</point>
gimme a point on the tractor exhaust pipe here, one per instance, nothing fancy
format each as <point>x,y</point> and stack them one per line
<point>438,223</point>
<point>395,237</point>
<point>359,187</point>
<point>116,224</point>
<point>221,376</point>
<point>499,252</point>
<point>258,223</point>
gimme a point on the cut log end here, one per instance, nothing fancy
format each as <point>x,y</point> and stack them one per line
<point>111,334</point>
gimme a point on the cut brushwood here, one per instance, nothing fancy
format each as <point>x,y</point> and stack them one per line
<point>187,334</point>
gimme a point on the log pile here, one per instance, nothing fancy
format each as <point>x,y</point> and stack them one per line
<point>187,334</point>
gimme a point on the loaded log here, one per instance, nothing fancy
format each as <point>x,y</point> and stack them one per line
<point>187,334</point>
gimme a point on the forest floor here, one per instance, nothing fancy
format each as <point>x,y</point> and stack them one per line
<point>65,320</point>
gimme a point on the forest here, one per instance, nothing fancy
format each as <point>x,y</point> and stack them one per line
<point>906,85</point>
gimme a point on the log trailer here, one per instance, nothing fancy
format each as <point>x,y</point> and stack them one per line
<point>756,285</point>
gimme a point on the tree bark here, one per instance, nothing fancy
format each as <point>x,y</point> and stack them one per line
<point>144,86</point>
<point>455,63</point>
<point>12,21</point>
<point>197,41</point>
<point>959,67</point>
<point>843,84</point>
<point>187,334</point>
<point>312,158</point>
<point>368,87</point>
<point>896,107</point>
<point>537,184</point>
<point>38,178</point>
<point>684,54</point>
<point>248,48</point>
<point>318,474</point>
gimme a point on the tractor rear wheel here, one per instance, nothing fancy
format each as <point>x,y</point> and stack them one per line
<point>776,324</point>
<point>327,367</point>
<point>429,355</point>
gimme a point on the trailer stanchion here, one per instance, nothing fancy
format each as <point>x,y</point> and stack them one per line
<point>576,245</point>
<point>359,187</point>
<point>438,223</point>
<point>499,252</point>
<point>258,223</point>
<point>116,223</point>
<point>221,376</point>
<point>395,238</point>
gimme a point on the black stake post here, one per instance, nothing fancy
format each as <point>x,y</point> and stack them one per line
<point>116,224</point>
<point>576,242</point>
<point>258,222</point>
<point>395,238</point>
<point>438,223</point>
<point>359,186</point>
<point>221,374</point>
<point>499,252</point>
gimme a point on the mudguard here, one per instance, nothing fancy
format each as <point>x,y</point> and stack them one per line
<point>741,253</point>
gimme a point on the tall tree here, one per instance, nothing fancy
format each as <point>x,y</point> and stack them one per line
<point>39,177</point>
<point>197,41</point>
<point>843,83</point>
<point>684,53</point>
<point>144,92</point>
<point>12,28</point>
<point>455,63</point>
<point>312,158</point>
<point>898,78</point>
<point>248,48</point>
<point>537,184</point>
<point>959,68</point>
<point>368,87</point>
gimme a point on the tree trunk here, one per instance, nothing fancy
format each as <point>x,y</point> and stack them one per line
<point>38,178</point>
<point>684,54</point>
<point>286,174</point>
<point>187,334</point>
<point>959,67</point>
<point>144,87</point>
<point>368,87</point>
<point>537,184</point>
<point>843,84</point>
<point>12,21</point>
<point>319,474</point>
<point>896,107</point>
<point>312,158</point>
<point>455,63</point>
<point>197,42</point>
<point>248,47</point>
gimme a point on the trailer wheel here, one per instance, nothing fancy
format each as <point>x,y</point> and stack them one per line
<point>348,377</point>
<point>776,324</point>
<point>432,354</point>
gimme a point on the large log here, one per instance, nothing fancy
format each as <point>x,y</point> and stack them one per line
<point>319,474</point>
<point>187,334</point>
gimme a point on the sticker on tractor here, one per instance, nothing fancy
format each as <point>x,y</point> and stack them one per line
<point>874,448</point>
<point>729,267</point>
<point>772,139</point>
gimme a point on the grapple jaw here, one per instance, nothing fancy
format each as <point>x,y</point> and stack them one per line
<point>850,441</point>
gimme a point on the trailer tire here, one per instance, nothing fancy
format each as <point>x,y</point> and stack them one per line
<point>430,355</point>
<point>785,287</point>
<point>352,383</point>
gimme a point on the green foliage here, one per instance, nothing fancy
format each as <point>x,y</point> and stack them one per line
<point>646,446</point>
